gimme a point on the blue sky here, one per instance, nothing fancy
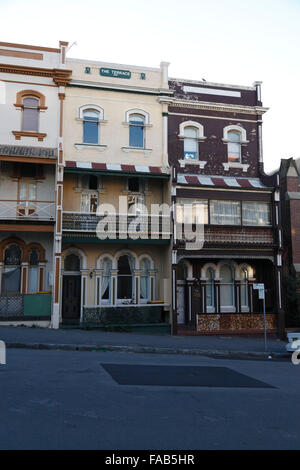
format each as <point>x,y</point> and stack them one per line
<point>232,41</point>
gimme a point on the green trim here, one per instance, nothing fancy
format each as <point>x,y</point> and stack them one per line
<point>127,241</point>
<point>114,173</point>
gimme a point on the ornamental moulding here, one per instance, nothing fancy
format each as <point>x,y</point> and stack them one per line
<point>257,110</point>
<point>60,76</point>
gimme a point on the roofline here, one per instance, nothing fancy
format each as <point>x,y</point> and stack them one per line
<point>27,46</point>
<point>96,62</point>
<point>208,84</point>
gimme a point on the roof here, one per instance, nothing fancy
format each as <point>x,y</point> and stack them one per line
<point>114,168</point>
<point>24,151</point>
<point>221,181</point>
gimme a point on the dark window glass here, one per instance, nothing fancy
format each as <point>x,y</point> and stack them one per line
<point>136,131</point>
<point>90,127</point>
<point>28,170</point>
<point>72,263</point>
<point>34,258</point>
<point>30,115</point>
<point>93,183</point>
<point>12,256</point>
<point>134,185</point>
<point>124,278</point>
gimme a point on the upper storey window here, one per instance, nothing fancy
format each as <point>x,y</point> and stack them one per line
<point>91,127</point>
<point>30,103</point>
<point>234,146</point>
<point>137,131</point>
<point>30,121</point>
<point>191,143</point>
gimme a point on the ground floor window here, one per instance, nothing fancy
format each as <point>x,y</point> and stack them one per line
<point>125,277</point>
<point>11,279</point>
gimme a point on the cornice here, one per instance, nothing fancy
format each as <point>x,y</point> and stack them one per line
<point>60,76</point>
<point>118,87</point>
<point>209,106</point>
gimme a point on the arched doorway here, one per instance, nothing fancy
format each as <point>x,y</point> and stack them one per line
<point>71,297</point>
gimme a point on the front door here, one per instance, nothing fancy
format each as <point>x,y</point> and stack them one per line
<point>71,299</point>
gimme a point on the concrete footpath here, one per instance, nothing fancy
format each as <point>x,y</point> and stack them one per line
<point>90,340</point>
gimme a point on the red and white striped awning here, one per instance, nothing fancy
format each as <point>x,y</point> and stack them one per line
<point>116,168</point>
<point>220,181</point>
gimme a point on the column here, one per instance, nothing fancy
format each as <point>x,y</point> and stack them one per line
<point>137,287</point>
<point>41,276</point>
<point>24,277</point>
<point>238,302</point>
<point>152,275</point>
<point>1,270</point>
<point>114,286</point>
<point>174,293</point>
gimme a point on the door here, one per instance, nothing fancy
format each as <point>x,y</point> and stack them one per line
<point>71,298</point>
<point>180,304</point>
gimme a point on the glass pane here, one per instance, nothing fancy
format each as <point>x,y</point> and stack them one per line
<point>234,152</point>
<point>256,213</point>
<point>12,256</point>
<point>93,202</point>
<point>144,285</point>
<point>136,136</point>
<point>136,119</point>
<point>190,145</point>
<point>11,280</point>
<point>34,258</point>
<point>124,265</point>
<point>33,279</point>
<point>93,182</point>
<point>190,132</point>
<point>30,120</point>
<point>124,287</point>
<point>85,203</point>
<point>91,115</point>
<point>30,102</point>
<point>23,195</point>
<point>32,192</point>
<point>90,132</point>
<point>225,212</point>
<point>234,136</point>
<point>72,263</point>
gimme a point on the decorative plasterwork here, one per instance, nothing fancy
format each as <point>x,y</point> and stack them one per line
<point>235,165</point>
<point>200,163</point>
<point>229,108</point>
<point>60,76</point>
<point>98,147</point>
<point>196,125</point>
<point>236,128</point>
<point>38,135</point>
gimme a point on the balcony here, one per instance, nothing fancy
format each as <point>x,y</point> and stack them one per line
<point>237,236</point>
<point>27,210</point>
<point>126,226</point>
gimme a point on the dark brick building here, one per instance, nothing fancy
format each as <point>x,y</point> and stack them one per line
<point>215,151</point>
<point>290,206</point>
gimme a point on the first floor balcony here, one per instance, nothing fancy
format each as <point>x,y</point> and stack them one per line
<point>27,210</point>
<point>118,226</point>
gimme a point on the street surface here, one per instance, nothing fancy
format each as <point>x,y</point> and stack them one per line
<point>68,400</point>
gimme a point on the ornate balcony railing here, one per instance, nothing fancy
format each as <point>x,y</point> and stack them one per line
<point>123,226</point>
<point>27,210</point>
<point>218,235</point>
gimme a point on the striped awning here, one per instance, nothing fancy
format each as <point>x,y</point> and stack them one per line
<point>220,181</point>
<point>107,167</point>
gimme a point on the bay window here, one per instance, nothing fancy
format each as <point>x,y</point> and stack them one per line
<point>225,212</point>
<point>256,213</point>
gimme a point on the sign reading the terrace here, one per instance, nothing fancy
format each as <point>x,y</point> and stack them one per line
<point>115,73</point>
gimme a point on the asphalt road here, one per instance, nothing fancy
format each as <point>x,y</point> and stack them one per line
<point>103,400</point>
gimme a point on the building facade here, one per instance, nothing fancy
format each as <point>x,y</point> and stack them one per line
<point>215,151</point>
<point>115,269</point>
<point>32,80</point>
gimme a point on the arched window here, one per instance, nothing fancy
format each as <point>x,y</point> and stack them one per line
<point>106,280</point>
<point>210,288</point>
<point>30,121</point>
<point>91,126</point>
<point>191,144</point>
<point>227,286</point>
<point>11,279</point>
<point>137,130</point>
<point>33,271</point>
<point>125,277</point>
<point>145,280</point>
<point>72,263</point>
<point>234,146</point>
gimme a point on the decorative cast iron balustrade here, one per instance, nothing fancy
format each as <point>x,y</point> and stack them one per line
<point>28,210</point>
<point>148,226</point>
<point>218,235</point>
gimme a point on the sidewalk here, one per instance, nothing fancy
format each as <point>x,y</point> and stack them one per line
<point>87,340</point>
